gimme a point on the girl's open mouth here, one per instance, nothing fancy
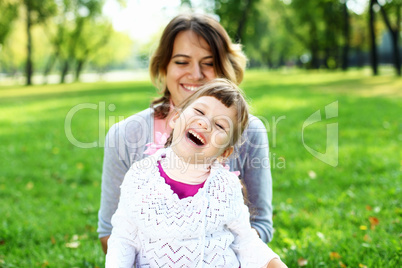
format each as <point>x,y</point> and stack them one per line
<point>195,138</point>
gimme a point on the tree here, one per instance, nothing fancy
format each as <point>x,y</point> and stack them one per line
<point>36,12</point>
<point>56,31</point>
<point>76,32</point>
<point>393,29</point>
<point>9,12</point>
<point>333,32</point>
<point>266,40</point>
<point>359,38</point>
<point>94,36</point>
<point>13,52</point>
<point>373,45</point>
<point>304,22</point>
<point>82,13</point>
<point>346,36</point>
<point>117,50</point>
<point>240,11</point>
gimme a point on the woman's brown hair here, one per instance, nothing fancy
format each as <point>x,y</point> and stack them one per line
<point>228,58</point>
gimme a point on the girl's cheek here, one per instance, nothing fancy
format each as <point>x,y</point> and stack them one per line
<point>222,139</point>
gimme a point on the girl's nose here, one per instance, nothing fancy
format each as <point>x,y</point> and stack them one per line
<point>204,123</point>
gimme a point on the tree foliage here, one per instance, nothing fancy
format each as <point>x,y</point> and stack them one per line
<point>235,16</point>
<point>314,34</point>
<point>64,36</point>
<point>9,12</point>
<point>57,34</point>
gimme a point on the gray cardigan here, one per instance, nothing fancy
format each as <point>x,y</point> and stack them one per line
<point>125,144</point>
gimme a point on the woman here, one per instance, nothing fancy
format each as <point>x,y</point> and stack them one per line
<point>193,49</point>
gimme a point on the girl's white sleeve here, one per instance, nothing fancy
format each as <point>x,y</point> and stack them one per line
<point>123,244</point>
<point>250,250</point>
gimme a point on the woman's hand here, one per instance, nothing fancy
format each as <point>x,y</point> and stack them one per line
<point>276,263</point>
<point>103,241</point>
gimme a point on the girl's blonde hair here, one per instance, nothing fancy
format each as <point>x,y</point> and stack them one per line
<point>228,59</point>
<point>230,95</point>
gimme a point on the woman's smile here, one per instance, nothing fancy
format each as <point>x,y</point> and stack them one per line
<point>191,88</point>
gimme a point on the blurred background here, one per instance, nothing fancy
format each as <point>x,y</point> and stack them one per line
<point>86,64</point>
<point>61,41</point>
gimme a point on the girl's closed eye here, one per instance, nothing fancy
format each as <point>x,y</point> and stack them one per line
<point>220,126</point>
<point>198,111</point>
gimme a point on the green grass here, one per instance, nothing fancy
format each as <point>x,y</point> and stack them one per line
<point>50,189</point>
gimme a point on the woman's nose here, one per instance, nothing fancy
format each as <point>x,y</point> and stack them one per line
<point>196,72</point>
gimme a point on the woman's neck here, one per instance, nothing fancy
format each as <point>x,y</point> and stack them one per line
<point>179,170</point>
<point>161,124</point>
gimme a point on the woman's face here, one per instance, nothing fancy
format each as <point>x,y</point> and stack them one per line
<point>190,67</point>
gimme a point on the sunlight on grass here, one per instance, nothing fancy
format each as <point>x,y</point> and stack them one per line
<point>272,103</point>
<point>21,112</point>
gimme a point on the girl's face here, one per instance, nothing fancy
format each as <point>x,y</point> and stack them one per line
<point>202,132</point>
<point>190,67</point>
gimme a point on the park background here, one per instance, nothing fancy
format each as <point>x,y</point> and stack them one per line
<point>69,69</point>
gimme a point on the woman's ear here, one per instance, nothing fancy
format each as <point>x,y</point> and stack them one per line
<point>173,119</point>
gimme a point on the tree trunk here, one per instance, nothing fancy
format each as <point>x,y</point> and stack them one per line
<point>314,47</point>
<point>359,57</point>
<point>49,66</point>
<point>395,37</point>
<point>373,46</point>
<point>29,64</point>
<point>56,42</point>
<point>346,36</point>
<point>243,21</point>
<point>398,30</point>
<point>78,70</point>
<point>397,57</point>
<point>64,71</point>
<point>327,56</point>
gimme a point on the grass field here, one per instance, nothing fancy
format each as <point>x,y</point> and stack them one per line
<point>347,214</point>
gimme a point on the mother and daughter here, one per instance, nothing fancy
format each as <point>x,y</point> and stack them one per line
<point>192,217</point>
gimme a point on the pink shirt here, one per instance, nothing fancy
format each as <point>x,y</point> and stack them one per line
<point>182,190</point>
<point>161,125</point>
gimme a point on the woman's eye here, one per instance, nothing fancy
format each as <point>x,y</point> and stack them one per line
<point>180,62</point>
<point>209,64</point>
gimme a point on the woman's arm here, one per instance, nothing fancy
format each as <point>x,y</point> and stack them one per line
<point>249,249</point>
<point>125,143</point>
<point>253,163</point>
<point>114,169</point>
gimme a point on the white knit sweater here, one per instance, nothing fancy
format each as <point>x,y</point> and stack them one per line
<point>152,227</point>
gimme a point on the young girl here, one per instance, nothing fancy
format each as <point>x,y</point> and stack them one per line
<point>180,207</point>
